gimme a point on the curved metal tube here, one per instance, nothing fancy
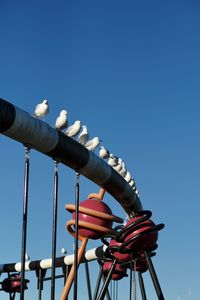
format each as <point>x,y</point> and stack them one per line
<point>25,128</point>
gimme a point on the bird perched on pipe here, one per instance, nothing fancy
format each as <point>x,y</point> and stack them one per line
<point>62,120</point>
<point>93,143</point>
<point>83,136</point>
<point>104,153</point>
<point>123,171</point>
<point>119,165</point>
<point>113,160</point>
<point>74,129</point>
<point>41,109</point>
<point>128,176</point>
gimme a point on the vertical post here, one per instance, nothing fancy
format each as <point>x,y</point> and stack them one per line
<point>108,297</point>
<point>54,229</point>
<point>107,281</point>
<point>76,238</point>
<point>88,281</point>
<point>111,289</point>
<point>134,283</point>
<point>142,288</point>
<point>154,277</point>
<point>65,272</point>
<point>24,225</point>
<point>131,281</point>
<point>98,283</point>
<point>40,273</point>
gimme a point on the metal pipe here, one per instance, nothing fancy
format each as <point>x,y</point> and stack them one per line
<point>68,260</point>
<point>40,273</point>
<point>24,218</point>
<point>23,127</point>
<point>76,237</point>
<point>131,281</point>
<point>88,281</point>
<point>154,277</point>
<point>107,281</point>
<point>54,229</point>
<point>142,288</point>
<point>108,297</point>
<point>98,283</point>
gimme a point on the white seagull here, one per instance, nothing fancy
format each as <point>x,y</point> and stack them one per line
<point>132,183</point>
<point>128,177</point>
<point>113,160</point>
<point>93,143</point>
<point>119,165</point>
<point>123,171</point>
<point>74,129</point>
<point>137,192</point>
<point>103,152</point>
<point>42,109</point>
<point>62,120</point>
<point>63,251</point>
<point>83,136</point>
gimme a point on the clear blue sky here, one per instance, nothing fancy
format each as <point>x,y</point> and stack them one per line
<point>130,70</point>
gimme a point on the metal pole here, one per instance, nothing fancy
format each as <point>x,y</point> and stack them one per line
<point>131,281</point>
<point>12,297</point>
<point>107,281</point>
<point>107,290</point>
<point>24,225</point>
<point>54,229</point>
<point>142,288</point>
<point>154,277</point>
<point>88,281</point>
<point>98,283</point>
<point>40,284</point>
<point>134,283</point>
<point>76,237</point>
<point>40,273</point>
<point>66,270</point>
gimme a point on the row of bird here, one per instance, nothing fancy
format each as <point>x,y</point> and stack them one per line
<point>80,133</point>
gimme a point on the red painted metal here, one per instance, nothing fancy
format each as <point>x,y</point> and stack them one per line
<point>146,241</point>
<point>119,272</point>
<point>90,217</point>
<point>12,284</point>
<point>119,255</point>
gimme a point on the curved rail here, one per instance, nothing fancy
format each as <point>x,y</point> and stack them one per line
<point>24,128</point>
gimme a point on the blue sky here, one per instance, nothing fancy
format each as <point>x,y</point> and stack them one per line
<point>130,71</point>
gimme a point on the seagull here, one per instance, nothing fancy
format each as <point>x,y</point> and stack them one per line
<point>132,183</point>
<point>42,109</point>
<point>74,129</point>
<point>93,143</point>
<point>113,160</point>
<point>128,176</point>
<point>137,192</point>
<point>83,136</point>
<point>61,121</point>
<point>119,165</point>
<point>63,251</point>
<point>103,152</point>
<point>123,171</point>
